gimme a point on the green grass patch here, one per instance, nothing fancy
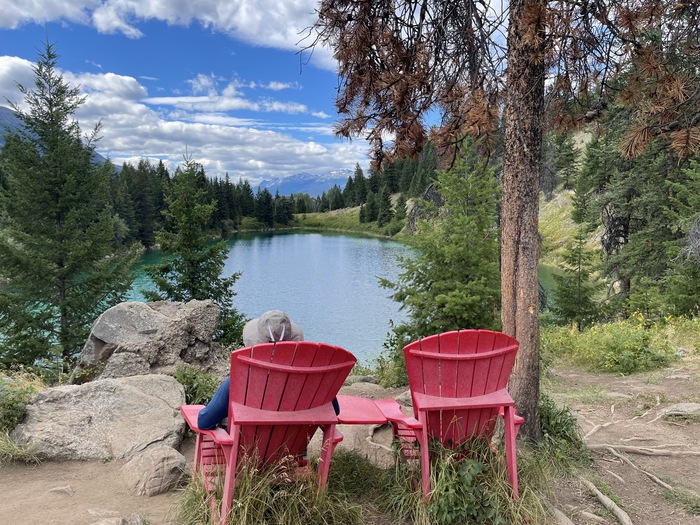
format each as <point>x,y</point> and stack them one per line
<point>11,452</point>
<point>622,347</point>
<point>199,386</point>
<point>272,494</point>
<point>346,219</point>
<point>16,388</point>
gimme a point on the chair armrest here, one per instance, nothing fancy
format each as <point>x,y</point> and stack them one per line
<point>356,410</point>
<point>425,402</point>
<point>392,411</point>
<point>219,435</point>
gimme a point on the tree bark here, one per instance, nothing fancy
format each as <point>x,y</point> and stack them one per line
<point>524,108</point>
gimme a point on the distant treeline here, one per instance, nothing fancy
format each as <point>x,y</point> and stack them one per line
<point>139,196</point>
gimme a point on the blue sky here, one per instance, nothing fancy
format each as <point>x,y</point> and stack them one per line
<point>221,81</point>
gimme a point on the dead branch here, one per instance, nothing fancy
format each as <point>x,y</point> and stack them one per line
<point>621,516</point>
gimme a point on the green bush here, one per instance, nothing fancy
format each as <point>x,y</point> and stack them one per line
<point>561,434</point>
<point>199,386</point>
<point>622,347</point>
<point>459,492</point>
<point>15,392</point>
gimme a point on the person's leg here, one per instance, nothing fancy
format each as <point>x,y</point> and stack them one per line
<point>217,409</point>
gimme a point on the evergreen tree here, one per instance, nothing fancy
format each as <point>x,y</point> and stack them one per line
<point>425,170</point>
<point>360,185</point>
<point>265,207</point>
<point>575,290</point>
<point>400,211</point>
<point>453,280</point>
<point>371,207</point>
<point>384,211</point>
<point>192,266</point>
<point>57,248</point>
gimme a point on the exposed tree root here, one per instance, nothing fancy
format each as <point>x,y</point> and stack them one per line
<point>644,451</point>
<point>651,476</point>
<point>621,516</point>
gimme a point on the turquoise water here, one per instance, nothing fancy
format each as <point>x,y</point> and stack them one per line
<point>327,283</point>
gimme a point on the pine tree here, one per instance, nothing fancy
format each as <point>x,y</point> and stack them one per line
<point>384,211</point>
<point>57,248</point>
<point>575,290</point>
<point>192,266</point>
<point>453,280</point>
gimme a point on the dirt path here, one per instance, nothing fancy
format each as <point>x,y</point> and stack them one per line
<point>628,412</point>
<point>621,411</point>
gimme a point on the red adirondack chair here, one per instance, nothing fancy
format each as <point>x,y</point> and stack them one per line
<point>458,387</point>
<point>280,393</point>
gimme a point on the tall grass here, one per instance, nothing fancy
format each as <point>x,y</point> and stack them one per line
<point>274,494</point>
<point>622,347</point>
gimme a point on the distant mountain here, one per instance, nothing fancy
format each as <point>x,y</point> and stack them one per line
<point>313,185</point>
<point>8,120</point>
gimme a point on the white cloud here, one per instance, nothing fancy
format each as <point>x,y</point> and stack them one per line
<point>13,71</point>
<point>136,126</point>
<point>279,86</point>
<point>268,23</point>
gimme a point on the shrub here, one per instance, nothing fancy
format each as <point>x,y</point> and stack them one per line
<point>15,392</point>
<point>622,347</point>
<point>468,486</point>
<point>561,434</point>
<point>199,386</point>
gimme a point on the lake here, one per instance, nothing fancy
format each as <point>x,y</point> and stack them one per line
<point>326,283</point>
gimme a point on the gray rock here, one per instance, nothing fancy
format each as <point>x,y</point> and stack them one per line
<point>108,418</point>
<point>111,521</point>
<point>154,471</point>
<point>405,399</point>
<point>135,338</point>
<point>352,379</point>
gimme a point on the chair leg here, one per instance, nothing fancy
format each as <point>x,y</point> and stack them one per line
<point>331,438</point>
<point>422,437</point>
<point>197,453</point>
<point>231,455</point>
<point>511,462</point>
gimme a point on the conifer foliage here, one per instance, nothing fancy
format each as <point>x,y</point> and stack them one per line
<point>192,266</point>
<point>57,247</point>
<point>452,282</point>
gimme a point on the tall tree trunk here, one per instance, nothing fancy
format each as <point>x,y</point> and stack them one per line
<point>521,183</point>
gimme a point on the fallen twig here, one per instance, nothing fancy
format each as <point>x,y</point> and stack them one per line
<point>621,516</point>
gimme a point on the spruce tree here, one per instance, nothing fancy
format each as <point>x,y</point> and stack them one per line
<point>57,247</point>
<point>452,282</point>
<point>192,266</point>
<point>574,295</point>
<point>384,211</point>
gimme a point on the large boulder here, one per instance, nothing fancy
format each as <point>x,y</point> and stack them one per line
<point>136,338</point>
<point>104,419</point>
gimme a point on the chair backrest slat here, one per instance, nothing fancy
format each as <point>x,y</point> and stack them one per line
<point>460,364</point>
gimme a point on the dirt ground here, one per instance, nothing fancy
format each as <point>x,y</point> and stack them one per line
<point>617,411</point>
<point>629,412</point>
